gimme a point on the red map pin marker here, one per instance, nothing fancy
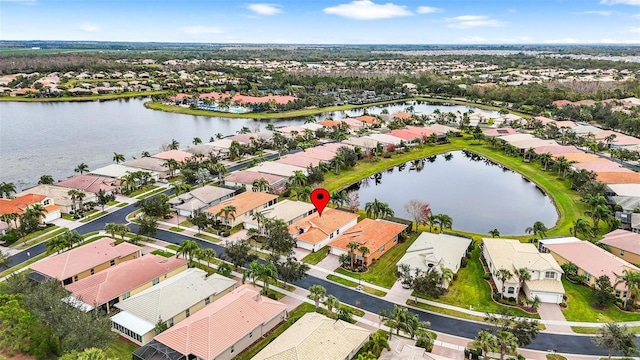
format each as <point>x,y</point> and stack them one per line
<point>320,199</point>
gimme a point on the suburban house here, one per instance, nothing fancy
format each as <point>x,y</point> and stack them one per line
<point>60,196</point>
<point>84,261</point>
<point>246,204</point>
<point>247,316</point>
<point>315,336</point>
<point>177,155</point>
<point>545,282</point>
<point>436,251</point>
<point>20,204</point>
<point>246,179</point>
<point>92,183</point>
<point>592,261</point>
<point>117,171</point>
<point>151,164</point>
<point>288,211</point>
<point>315,231</point>
<point>110,286</point>
<point>377,235</point>
<point>279,169</point>
<point>199,199</point>
<point>171,301</point>
<point>624,244</point>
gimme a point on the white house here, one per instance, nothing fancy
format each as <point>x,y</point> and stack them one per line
<point>199,199</point>
<point>288,211</point>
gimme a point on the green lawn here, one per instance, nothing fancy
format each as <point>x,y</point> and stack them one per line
<point>315,257</point>
<point>449,312</point>
<point>207,237</point>
<point>579,307</point>
<point>123,204</point>
<point>173,247</point>
<point>382,272</point>
<point>162,253</point>
<point>142,190</point>
<point>113,202</point>
<point>94,216</point>
<point>470,289</point>
<point>154,191</point>
<point>120,349</point>
<point>176,229</point>
<point>353,284</point>
<point>123,95</point>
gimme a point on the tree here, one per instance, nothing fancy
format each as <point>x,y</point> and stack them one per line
<point>377,209</point>
<point>173,145</point>
<point>252,271</point>
<point>507,343</point>
<point>538,228</point>
<point>332,302</point>
<point>227,212</point>
<point>5,260</point>
<point>317,294</point>
<point>111,228</point>
<point>376,343</point>
<point>160,326</point>
<point>188,249</point>
<point>404,275</point>
<point>419,211</point>
<point>494,233</point>
<point>266,272</point>
<point>428,283</point>
<point>206,254</point>
<point>503,275</point>
<point>631,280</point>
<point>46,180</point>
<point>103,198</point>
<point>197,141</point>
<point>147,226</point>
<point>118,158</point>
<point>291,270</point>
<point>525,330</point>
<point>77,195</point>
<point>352,246</point>
<point>278,240</point>
<point>523,275</point>
<point>261,185</point>
<point>338,161</point>
<point>200,220</point>
<point>581,226</point>
<point>615,337</point>
<point>364,251</point>
<point>82,168</point>
<point>603,292</point>
<point>239,253</point>
<point>486,341</point>
<point>445,221</point>
<point>155,206</point>
<point>598,213</point>
<point>6,189</point>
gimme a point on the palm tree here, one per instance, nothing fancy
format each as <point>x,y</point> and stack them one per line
<point>172,165</point>
<point>261,184</point>
<point>538,228</point>
<point>207,254</point>
<point>252,272</point>
<point>173,145</point>
<point>530,154</point>
<point>317,293</point>
<point>267,272</point>
<point>523,275</point>
<point>486,341</point>
<point>507,342</point>
<point>494,233</point>
<point>298,179</point>
<point>260,218</point>
<point>598,213</point>
<point>145,154</point>
<point>445,221</point>
<point>377,209</point>
<point>303,193</point>
<point>118,158</point>
<point>581,226</point>
<point>46,180</point>
<point>188,248</point>
<point>332,302</point>
<point>179,187</point>
<point>364,251</point>
<point>82,168</point>
<point>339,198</point>
<point>196,141</point>
<point>11,217</point>
<point>338,162</point>
<point>36,211</point>
<point>631,280</point>
<point>111,228</point>
<point>503,275</point>
<point>76,195</point>
<point>545,159</point>
<point>446,276</point>
<point>352,246</point>
<point>227,212</point>
<point>5,260</point>
<point>376,343</point>
<point>6,189</point>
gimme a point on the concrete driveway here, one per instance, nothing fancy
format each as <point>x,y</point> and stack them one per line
<point>548,311</point>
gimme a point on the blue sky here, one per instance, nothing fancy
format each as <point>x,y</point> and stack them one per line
<point>324,21</point>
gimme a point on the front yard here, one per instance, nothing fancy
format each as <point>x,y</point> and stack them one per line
<point>579,307</point>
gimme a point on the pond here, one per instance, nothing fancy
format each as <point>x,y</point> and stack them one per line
<point>477,193</point>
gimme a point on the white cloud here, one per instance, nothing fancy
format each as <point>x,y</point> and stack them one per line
<point>89,27</point>
<point>634,30</point>
<point>471,21</point>
<point>562,41</point>
<point>198,30</point>
<point>513,11</point>
<point>472,39</point>
<point>593,12</point>
<point>264,9</point>
<point>618,41</point>
<point>517,39</point>
<point>636,16</point>
<point>428,10</point>
<point>368,10</point>
<point>625,2</point>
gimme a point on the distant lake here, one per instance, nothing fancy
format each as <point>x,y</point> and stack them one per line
<point>477,193</point>
<point>38,138</point>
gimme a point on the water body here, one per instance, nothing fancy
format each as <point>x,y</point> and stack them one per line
<point>477,193</point>
<point>40,138</point>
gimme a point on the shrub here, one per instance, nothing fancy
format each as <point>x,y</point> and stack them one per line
<point>464,262</point>
<point>425,342</point>
<point>486,276</point>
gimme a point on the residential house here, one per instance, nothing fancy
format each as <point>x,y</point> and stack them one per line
<point>171,301</point>
<point>199,199</point>
<point>20,204</point>
<point>152,164</point>
<point>247,317</point>
<point>117,171</point>
<point>377,235</point>
<point>592,261</point>
<point>84,261</point>
<point>299,159</point>
<point>546,273</point>
<point>246,204</point>
<point>320,154</point>
<point>624,244</point>
<point>315,231</point>
<point>619,177</point>
<point>116,283</point>
<point>315,336</point>
<point>436,251</point>
<point>60,196</point>
<point>366,144</point>
<point>246,179</point>
<point>288,211</point>
<point>177,155</point>
<point>279,169</point>
<point>92,183</point>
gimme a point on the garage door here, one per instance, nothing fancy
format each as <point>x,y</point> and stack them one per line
<point>548,297</point>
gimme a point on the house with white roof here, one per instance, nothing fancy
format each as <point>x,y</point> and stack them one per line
<point>117,171</point>
<point>199,199</point>
<point>545,282</point>
<point>170,301</point>
<point>288,211</point>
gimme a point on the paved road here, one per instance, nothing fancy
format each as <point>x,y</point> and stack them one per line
<point>570,344</point>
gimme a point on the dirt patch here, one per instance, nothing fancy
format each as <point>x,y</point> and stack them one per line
<point>17,356</point>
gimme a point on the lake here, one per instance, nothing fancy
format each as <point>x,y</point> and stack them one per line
<point>38,138</point>
<point>478,194</point>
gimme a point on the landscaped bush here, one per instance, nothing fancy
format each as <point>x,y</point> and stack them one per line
<point>425,342</point>
<point>9,238</point>
<point>486,276</point>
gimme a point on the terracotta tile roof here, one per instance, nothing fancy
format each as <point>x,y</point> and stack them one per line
<point>401,115</point>
<point>330,123</point>
<point>623,239</point>
<point>619,177</point>
<point>244,202</point>
<point>117,280</point>
<point>601,166</point>
<point>319,153</point>
<point>317,228</point>
<point>593,259</point>
<point>367,119</point>
<point>248,177</point>
<point>19,204</point>
<point>422,131</point>
<point>90,183</point>
<point>566,123</point>
<point>370,233</point>
<point>557,150</point>
<point>177,155</point>
<point>85,257</point>
<point>405,134</point>
<point>241,311</point>
<point>298,159</point>
<point>500,131</point>
<point>334,147</point>
<point>580,157</point>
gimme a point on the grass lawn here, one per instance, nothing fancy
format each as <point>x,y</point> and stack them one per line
<point>150,193</point>
<point>67,217</point>
<point>20,244</point>
<point>162,253</point>
<point>315,257</point>
<point>382,272</point>
<point>440,310</point>
<point>142,190</point>
<point>120,349</point>
<point>94,216</point>
<point>34,234</point>
<point>555,357</point>
<point>595,330</point>
<point>207,237</point>
<point>176,229</point>
<point>470,289</point>
<point>353,284</point>
<point>121,205</point>
<point>579,308</point>
<point>173,247</point>
<point>186,223</point>
<point>123,95</point>
<point>113,202</point>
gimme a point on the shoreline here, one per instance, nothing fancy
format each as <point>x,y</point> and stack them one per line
<point>107,97</point>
